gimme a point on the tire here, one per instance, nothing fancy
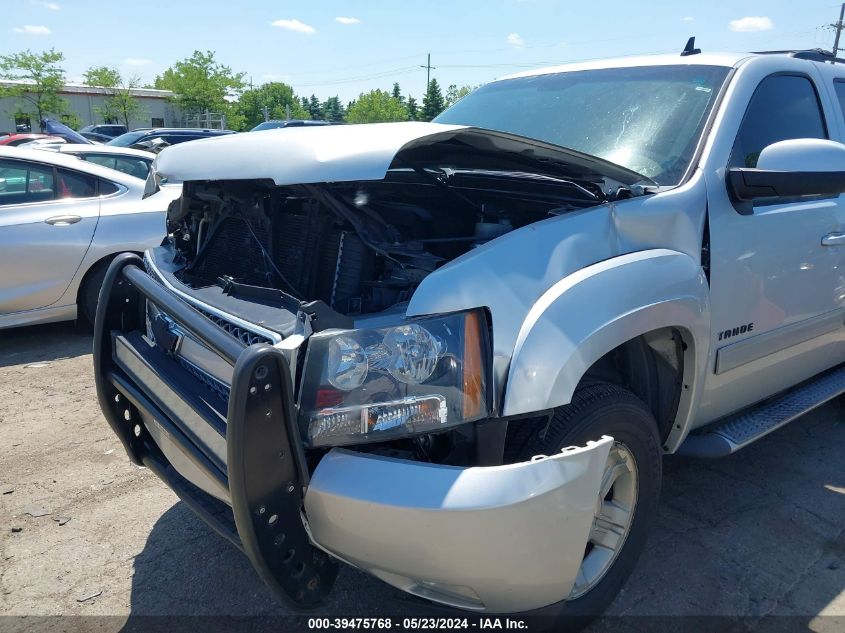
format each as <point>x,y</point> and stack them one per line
<point>89,292</point>
<point>605,409</point>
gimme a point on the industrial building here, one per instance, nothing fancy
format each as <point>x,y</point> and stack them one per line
<point>156,108</point>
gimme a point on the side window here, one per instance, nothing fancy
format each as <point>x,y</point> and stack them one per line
<point>99,159</point>
<point>23,183</point>
<point>107,188</point>
<point>72,184</point>
<point>133,166</point>
<point>839,86</point>
<point>783,107</point>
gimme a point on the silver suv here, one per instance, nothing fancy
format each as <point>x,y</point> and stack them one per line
<point>453,354</point>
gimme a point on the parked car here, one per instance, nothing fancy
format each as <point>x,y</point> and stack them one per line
<point>110,130</point>
<point>96,138</point>
<point>171,136</point>
<point>46,141</point>
<point>62,219</point>
<point>134,162</point>
<point>453,354</point>
<point>13,140</point>
<point>274,124</point>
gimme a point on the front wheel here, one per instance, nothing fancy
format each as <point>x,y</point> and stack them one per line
<point>627,502</point>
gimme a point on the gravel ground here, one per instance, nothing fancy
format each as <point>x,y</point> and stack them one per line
<point>754,535</point>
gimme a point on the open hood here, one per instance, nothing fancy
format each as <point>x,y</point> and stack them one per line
<point>344,153</point>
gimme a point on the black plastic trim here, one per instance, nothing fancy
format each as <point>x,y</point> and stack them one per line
<point>265,470</point>
<point>749,184</point>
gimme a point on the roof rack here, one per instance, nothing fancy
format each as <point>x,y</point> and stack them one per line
<point>811,54</point>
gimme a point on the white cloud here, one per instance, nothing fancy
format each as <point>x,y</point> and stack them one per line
<point>294,25</point>
<point>137,61</point>
<point>30,29</point>
<point>687,18</point>
<point>515,39</point>
<point>750,24</point>
<point>52,6</point>
<point>343,20</point>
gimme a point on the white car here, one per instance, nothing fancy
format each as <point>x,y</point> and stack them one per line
<point>62,219</point>
<point>135,162</point>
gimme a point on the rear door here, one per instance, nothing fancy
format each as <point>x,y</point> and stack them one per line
<point>47,220</point>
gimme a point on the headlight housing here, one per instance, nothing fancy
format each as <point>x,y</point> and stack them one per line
<point>370,385</point>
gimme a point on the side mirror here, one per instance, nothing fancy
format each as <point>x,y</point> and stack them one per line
<point>798,167</point>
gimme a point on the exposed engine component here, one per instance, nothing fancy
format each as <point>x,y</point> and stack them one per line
<point>358,247</point>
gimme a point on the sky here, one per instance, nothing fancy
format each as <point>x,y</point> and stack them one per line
<point>328,48</point>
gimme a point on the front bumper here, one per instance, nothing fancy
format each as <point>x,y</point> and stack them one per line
<point>497,539</point>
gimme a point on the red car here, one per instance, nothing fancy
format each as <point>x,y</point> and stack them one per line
<point>18,139</point>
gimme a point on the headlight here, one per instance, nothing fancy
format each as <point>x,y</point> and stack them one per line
<point>375,384</point>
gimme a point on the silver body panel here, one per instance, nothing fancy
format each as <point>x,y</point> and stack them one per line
<point>42,265</point>
<point>461,536</point>
<point>561,294</point>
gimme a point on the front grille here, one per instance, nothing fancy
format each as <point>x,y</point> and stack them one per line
<point>217,386</point>
<point>245,336</point>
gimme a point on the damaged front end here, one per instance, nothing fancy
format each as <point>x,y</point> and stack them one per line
<point>270,329</point>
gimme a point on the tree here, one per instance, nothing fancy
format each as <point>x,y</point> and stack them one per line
<point>333,110</point>
<point>122,105</point>
<point>315,109</point>
<point>102,76</point>
<point>44,79</point>
<point>413,109</point>
<point>199,82</point>
<point>433,102</point>
<point>397,93</point>
<point>455,94</point>
<point>276,96</point>
<point>376,106</point>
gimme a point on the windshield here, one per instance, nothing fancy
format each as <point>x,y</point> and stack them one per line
<point>648,119</point>
<point>125,140</point>
<point>267,125</point>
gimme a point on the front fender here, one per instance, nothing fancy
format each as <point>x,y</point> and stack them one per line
<point>594,310</point>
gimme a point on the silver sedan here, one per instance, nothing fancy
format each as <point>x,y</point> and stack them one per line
<point>62,219</point>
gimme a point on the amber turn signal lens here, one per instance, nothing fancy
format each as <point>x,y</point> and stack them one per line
<point>473,378</point>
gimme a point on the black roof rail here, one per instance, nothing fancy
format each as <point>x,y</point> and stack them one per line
<point>811,54</point>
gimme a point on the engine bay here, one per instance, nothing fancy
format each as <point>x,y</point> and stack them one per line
<point>358,247</point>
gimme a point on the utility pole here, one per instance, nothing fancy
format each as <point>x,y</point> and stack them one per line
<point>838,27</point>
<point>428,67</point>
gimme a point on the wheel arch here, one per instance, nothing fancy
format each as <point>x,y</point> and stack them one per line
<point>633,306</point>
<point>103,261</point>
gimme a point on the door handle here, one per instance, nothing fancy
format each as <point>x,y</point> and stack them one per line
<point>63,220</point>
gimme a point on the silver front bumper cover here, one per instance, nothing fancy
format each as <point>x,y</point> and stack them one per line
<point>499,539</point>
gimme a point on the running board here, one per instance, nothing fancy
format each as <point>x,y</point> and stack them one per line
<point>751,424</point>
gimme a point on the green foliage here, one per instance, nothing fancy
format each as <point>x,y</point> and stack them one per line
<point>201,83</point>
<point>455,94</point>
<point>275,96</point>
<point>376,106</point>
<point>121,106</point>
<point>44,76</point>
<point>433,102</point>
<point>333,110</point>
<point>102,77</point>
<point>397,93</point>
<point>315,108</point>
<point>413,109</point>
<point>71,119</point>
